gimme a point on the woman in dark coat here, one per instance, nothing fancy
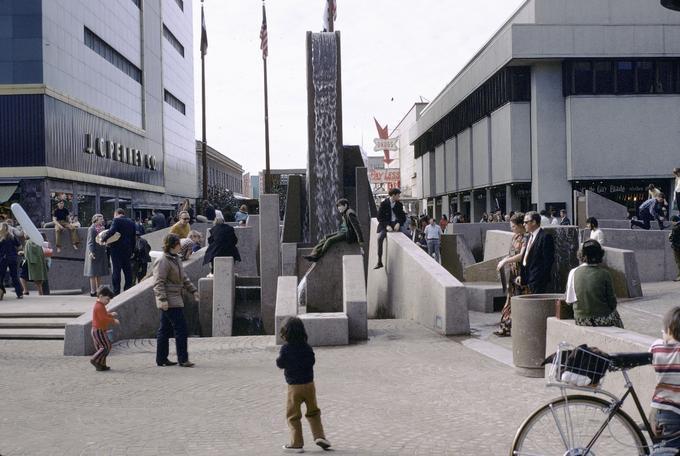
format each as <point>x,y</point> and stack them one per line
<point>222,242</point>
<point>8,259</point>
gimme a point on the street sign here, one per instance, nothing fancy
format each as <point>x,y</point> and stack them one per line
<point>386,144</point>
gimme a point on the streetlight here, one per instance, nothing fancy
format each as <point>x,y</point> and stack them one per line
<point>671,4</point>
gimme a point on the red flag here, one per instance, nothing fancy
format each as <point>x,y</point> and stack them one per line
<point>264,45</point>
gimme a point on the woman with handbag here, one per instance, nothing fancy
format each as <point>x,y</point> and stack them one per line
<point>8,260</point>
<point>517,247</point>
<point>96,260</point>
<point>169,281</point>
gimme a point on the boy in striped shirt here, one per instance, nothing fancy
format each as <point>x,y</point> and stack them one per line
<point>666,363</point>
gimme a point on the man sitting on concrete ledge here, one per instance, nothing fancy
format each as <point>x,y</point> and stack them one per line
<point>350,232</point>
<point>391,217</point>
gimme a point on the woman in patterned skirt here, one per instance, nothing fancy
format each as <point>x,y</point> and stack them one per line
<point>512,261</point>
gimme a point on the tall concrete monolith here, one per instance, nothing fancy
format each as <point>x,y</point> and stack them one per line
<point>224,297</point>
<point>270,257</point>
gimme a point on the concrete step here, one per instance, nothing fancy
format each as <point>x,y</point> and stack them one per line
<point>40,314</point>
<point>31,333</point>
<point>31,322</point>
<point>485,296</point>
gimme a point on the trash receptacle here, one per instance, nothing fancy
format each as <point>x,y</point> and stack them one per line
<point>529,315</point>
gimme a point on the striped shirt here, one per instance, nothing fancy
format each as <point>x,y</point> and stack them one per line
<point>666,363</point>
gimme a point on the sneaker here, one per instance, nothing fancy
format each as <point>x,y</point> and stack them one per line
<point>379,265</point>
<point>292,449</point>
<point>210,276</point>
<point>75,247</point>
<point>323,443</point>
<point>187,364</point>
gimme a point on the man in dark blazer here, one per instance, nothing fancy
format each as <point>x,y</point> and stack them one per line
<point>222,242</point>
<point>537,264</point>
<point>391,217</point>
<point>158,221</point>
<point>122,249</point>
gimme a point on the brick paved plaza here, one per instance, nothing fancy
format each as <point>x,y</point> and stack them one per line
<point>407,391</point>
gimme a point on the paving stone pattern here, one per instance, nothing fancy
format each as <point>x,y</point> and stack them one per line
<point>407,391</point>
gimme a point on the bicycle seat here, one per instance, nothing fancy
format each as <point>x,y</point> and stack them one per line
<point>630,360</point>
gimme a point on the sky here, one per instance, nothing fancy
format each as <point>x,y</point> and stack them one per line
<point>393,53</point>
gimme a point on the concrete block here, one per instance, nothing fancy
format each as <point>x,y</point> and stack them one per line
<point>475,234</point>
<point>449,253</point>
<point>270,257</point>
<point>324,279</point>
<point>603,208</point>
<point>609,340</point>
<point>136,308</point>
<point>286,303</point>
<point>497,244</point>
<point>481,295</point>
<point>289,258</point>
<point>653,253</point>
<point>414,286</point>
<point>354,303</point>
<point>205,305</point>
<point>483,272</point>
<point>327,328</point>
<point>292,219</point>
<point>224,297</point>
<point>622,266</point>
<point>618,224</point>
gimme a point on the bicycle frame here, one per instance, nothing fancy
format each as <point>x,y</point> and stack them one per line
<point>616,405</point>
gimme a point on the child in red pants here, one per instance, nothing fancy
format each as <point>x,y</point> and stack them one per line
<point>101,320</point>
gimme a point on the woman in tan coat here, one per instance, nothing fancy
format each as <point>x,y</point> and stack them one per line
<point>169,281</point>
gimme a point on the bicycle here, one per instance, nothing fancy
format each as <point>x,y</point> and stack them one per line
<point>584,424</point>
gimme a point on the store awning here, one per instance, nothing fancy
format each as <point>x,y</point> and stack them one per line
<point>6,192</point>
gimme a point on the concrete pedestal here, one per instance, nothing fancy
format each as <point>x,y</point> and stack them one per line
<point>529,316</point>
<point>205,305</point>
<point>270,257</point>
<point>224,297</point>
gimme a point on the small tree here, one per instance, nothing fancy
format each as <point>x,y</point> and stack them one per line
<point>222,199</point>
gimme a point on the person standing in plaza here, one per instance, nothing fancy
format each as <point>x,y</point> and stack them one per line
<point>518,246</point>
<point>158,221</point>
<point>96,259</point>
<point>209,211</point>
<point>101,321</point>
<point>596,233</point>
<point>391,217</point>
<point>648,211</point>
<point>674,237</point>
<point>34,266</point>
<point>433,237</point>
<point>349,232</point>
<point>539,256</point>
<point>169,281</point>
<point>297,360</point>
<point>443,223</point>
<point>121,250</point>
<point>8,260</point>
<point>61,219</point>
<point>564,220</point>
<point>140,257</point>
<point>182,227</point>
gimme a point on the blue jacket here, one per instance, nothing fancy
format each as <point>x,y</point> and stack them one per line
<point>126,244</point>
<point>8,248</point>
<point>297,362</point>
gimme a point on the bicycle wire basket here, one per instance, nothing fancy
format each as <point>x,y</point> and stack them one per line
<point>580,366</point>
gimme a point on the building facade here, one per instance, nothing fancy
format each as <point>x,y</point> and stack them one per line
<point>223,172</point>
<point>567,95</point>
<point>96,105</point>
<point>409,175</point>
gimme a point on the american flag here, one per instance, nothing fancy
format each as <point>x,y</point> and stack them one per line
<point>264,45</point>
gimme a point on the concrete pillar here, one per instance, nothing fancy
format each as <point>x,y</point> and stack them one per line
<point>446,207</point>
<point>205,305</point>
<point>270,267</point>
<point>548,137</point>
<point>224,297</point>
<point>489,206</point>
<point>473,208</point>
<point>289,259</point>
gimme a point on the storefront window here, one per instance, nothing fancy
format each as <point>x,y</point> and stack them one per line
<point>645,77</point>
<point>86,208</point>
<point>625,77</point>
<point>604,77</point>
<point>107,204</point>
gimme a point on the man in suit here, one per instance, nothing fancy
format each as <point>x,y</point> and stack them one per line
<point>391,217</point>
<point>539,256</point>
<point>158,221</point>
<point>122,249</point>
<point>564,220</point>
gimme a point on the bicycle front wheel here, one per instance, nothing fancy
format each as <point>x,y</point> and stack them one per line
<point>565,426</point>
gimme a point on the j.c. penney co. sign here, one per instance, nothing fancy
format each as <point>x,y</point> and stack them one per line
<point>116,151</point>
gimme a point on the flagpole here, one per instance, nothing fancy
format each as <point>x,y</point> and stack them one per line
<point>267,175</point>
<point>331,22</point>
<point>204,152</point>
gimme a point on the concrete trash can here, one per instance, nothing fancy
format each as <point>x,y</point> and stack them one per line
<point>529,315</point>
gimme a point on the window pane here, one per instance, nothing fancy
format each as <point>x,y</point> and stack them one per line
<point>625,80</point>
<point>604,77</point>
<point>645,77</point>
<point>664,77</point>
<point>583,77</point>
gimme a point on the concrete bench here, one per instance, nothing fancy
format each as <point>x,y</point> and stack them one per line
<point>354,303</point>
<point>286,304</point>
<point>483,295</point>
<point>609,340</point>
<point>327,328</point>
